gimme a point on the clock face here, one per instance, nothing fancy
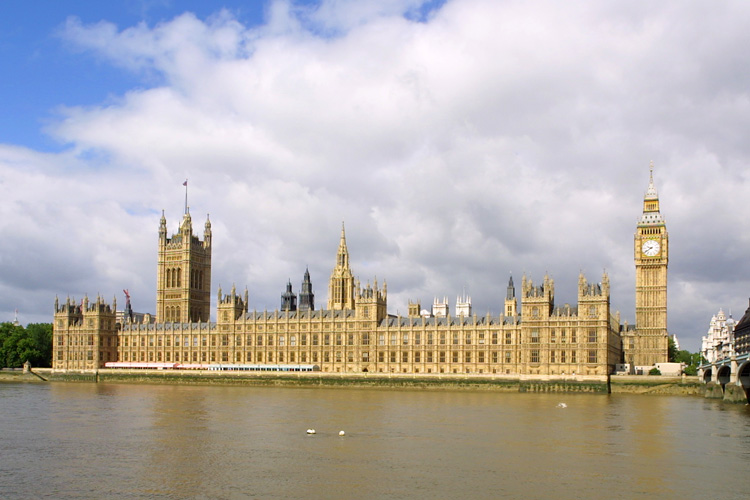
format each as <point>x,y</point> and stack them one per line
<point>651,248</point>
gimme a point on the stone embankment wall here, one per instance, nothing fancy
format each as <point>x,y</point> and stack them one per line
<point>17,376</point>
<point>620,384</point>
<point>314,379</point>
<point>656,384</point>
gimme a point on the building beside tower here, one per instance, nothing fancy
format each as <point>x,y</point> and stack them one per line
<point>718,343</point>
<point>532,336</point>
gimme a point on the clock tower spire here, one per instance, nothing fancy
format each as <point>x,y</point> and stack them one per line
<point>650,342</point>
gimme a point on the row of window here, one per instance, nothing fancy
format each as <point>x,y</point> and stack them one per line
<point>173,278</point>
<point>592,311</point>
<point>338,357</point>
<point>348,339</point>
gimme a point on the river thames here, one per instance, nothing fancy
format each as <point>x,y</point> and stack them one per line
<point>66,440</point>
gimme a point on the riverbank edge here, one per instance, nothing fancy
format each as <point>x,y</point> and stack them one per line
<point>616,384</point>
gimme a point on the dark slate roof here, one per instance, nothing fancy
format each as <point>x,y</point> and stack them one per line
<point>744,322</point>
<point>167,326</point>
<point>394,321</point>
<point>324,313</point>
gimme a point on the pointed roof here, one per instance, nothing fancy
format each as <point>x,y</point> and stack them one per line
<point>651,214</point>
<point>651,193</point>
<point>342,256</point>
<point>342,242</point>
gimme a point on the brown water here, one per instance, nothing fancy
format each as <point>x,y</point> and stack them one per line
<point>138,441</point>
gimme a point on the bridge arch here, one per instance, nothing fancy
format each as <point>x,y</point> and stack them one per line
<point>724,375</point>
<point>707,375</point>
<point>743,377</point>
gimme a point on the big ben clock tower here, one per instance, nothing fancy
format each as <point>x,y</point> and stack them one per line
<point>651,258</point>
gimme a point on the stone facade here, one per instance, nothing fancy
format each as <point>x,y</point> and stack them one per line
<point>531,337</point>
<point>718,343</point>
<point>183,281</point>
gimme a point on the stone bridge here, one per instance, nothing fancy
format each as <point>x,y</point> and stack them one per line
<point>727,379</point>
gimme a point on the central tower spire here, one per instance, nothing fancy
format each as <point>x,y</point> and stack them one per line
<point>342,257</point>
<point>341,284</point>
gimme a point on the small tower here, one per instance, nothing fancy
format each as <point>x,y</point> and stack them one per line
<point>440,309</point>
<point>231,307</point>
<point>463,305</point>
<point>372,302</point>
<point>537,302</point>
<point>306,296</point>
<point>341,284</point>
<point>288,299</point>
<point>84,336</point>
<point>593,299</point>
<point>511,304</point>
<point>183,288</point>
<point>415,309</point>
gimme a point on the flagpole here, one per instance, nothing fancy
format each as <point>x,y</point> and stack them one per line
<point>186,205</point>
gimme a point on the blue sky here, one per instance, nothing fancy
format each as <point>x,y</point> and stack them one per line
<point>48,73</point>
<point>459,140</point>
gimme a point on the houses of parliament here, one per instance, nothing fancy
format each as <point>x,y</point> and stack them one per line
<point>354,333</point>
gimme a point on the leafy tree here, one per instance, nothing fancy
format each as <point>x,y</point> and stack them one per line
<point>41,334</point>
<point>19,344</point>
<point>684,357</point>
<point>654,371</point>
<point>671,351</point>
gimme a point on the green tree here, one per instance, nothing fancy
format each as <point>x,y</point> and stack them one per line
<point>654,371</point>
<point>11,336</point>
<point>684,356</point>
<point>671,351</point>
<point>41,334</point>
<point>19,344</point>
<point>6,331</point>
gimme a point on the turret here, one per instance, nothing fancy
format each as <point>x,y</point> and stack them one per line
<point>371,302</point>
<point>511,304</point>
<point>306,295</point>
<point>415,309</point>
<point>288,299</point>
<point>207,232</point>
<point>463,305</point>
<point>440,309</point>
<point>231,307</point>
<point>593,298</point>
<point>537,302</point>
<point>163,229</point>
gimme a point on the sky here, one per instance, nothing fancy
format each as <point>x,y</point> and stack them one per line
<point>460,141</point>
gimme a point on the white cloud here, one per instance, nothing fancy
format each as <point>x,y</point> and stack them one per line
<point>490,137</point>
